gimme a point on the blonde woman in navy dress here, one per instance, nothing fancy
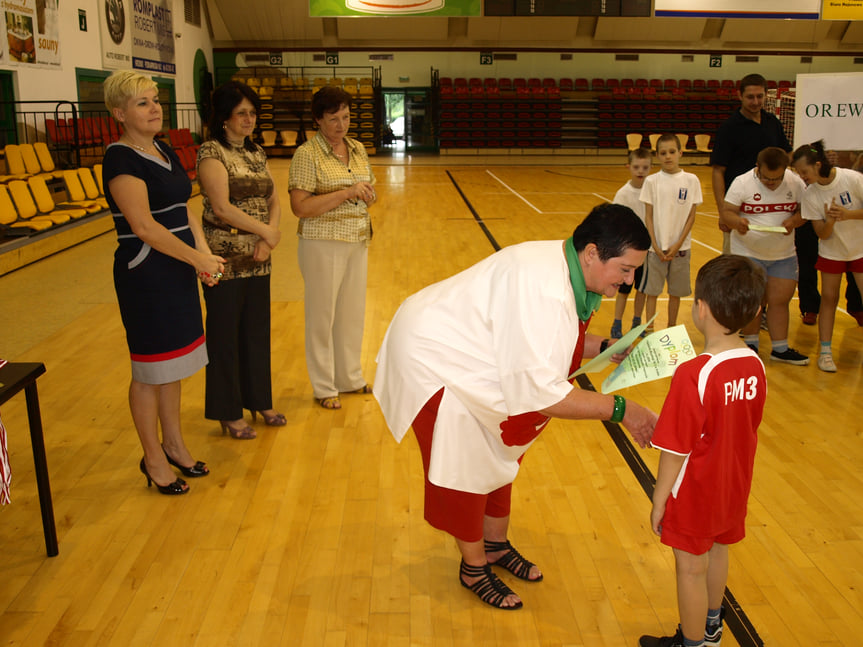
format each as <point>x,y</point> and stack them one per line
<point>160,254</point>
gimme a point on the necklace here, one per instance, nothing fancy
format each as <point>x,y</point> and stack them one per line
<point>140,148</point>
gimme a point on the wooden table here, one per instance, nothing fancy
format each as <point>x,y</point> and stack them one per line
<point>13,378</point>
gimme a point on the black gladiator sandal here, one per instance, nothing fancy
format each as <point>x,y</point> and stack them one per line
<point>490,589</point>
<point>511,560</point>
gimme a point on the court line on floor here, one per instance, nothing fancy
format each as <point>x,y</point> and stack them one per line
<point>504,184</point>
<point>735,618</point>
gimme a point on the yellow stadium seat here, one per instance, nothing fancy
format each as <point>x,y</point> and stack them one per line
<point>16,170</point>
<point>633,141</point>
<point>702,143</point>
<point>9,215</point>
<point>46,160</point>
<point>26,205</point>
<point>91,189</point>
<point>77,196</point>
<point>45,201</point>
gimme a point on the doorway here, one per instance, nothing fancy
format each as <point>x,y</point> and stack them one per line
<point>407,123</point>
<point>393,137</point>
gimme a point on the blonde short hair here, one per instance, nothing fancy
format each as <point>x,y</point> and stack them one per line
<point>122,85</point>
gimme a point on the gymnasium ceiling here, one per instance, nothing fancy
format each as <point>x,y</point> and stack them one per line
<point>286,24</point>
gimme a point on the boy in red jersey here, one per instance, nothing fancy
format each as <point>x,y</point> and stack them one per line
<point>707,432</point>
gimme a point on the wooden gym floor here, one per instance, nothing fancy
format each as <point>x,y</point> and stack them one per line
<point>313,533</point>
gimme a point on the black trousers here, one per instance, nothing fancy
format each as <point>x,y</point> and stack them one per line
<point>806,241</point>
<point>238,344</point>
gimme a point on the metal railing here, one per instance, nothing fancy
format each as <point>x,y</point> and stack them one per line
<point>78,132</point>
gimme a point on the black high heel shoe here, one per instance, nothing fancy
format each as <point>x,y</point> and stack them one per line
<point>177,487</point>
<point>198,469</point>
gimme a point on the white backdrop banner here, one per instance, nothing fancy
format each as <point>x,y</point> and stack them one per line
<point>830,107</point>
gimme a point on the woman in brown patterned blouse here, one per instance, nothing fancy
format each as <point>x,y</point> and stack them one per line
<point>241,222</point>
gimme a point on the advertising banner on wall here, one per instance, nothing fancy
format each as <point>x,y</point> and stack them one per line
<point>796,9</point>
<point>830,107</point>
<point>328,8</point>
<point>842,10</point>
<point>137,34</point>
<point>32,32</point>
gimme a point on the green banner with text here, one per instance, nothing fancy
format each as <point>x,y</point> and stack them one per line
<point>329,8</point>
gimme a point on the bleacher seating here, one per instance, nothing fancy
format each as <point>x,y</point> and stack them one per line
<point>27,208</point>
<point>11,221</point>
<point>47,205</point>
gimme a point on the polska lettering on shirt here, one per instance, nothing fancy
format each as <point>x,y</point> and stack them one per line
<point>785,207</point>
<point>742,389</point>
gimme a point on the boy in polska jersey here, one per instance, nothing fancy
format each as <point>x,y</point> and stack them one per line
<point>707,432</point>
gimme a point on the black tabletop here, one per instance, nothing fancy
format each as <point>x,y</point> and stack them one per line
<point>14,376</point>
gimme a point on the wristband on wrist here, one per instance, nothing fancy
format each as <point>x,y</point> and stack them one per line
<point>603,345</point>
<point>619,409</point>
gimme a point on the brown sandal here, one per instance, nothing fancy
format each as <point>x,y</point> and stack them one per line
<point>331,402</point>
<point>245,433</point>
<point>365,388</point>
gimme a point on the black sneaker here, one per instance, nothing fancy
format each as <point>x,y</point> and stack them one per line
<point>789,356</point>
<point>713,633</point>
<point>666,641</point>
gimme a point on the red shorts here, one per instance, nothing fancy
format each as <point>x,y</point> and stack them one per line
<point>839,267</point>
<point>459,513</point>
<point>700,545</point>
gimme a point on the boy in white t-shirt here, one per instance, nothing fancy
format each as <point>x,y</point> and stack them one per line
<point>768,196</point>
<point>638,163</point>
<point>670,197</point>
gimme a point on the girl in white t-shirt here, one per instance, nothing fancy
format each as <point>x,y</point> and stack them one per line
<point>833,201</point>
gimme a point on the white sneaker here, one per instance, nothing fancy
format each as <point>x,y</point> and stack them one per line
<point>826,363</point>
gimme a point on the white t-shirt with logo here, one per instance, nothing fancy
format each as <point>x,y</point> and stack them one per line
<point>846,241</point>
<point>672,195</point>
<point>761,206</point>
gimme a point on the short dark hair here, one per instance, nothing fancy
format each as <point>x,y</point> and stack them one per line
<point>225,98</point>
<point>733,288</point>
<point>613,228</point>
<point>752,79</point>
<point>668,137</point>
<point>773,158</point>
<point>812,153</point>
<point>329,99</point>
<point>639,153</point>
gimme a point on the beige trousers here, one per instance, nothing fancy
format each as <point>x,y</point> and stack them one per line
<point>334,275</point>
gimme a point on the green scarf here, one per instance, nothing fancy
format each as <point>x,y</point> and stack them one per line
<point>586,303</point>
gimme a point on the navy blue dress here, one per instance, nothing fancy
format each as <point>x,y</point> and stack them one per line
<point>158,295</point>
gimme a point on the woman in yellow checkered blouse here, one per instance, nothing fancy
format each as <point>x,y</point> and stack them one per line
<point>332,186</point>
